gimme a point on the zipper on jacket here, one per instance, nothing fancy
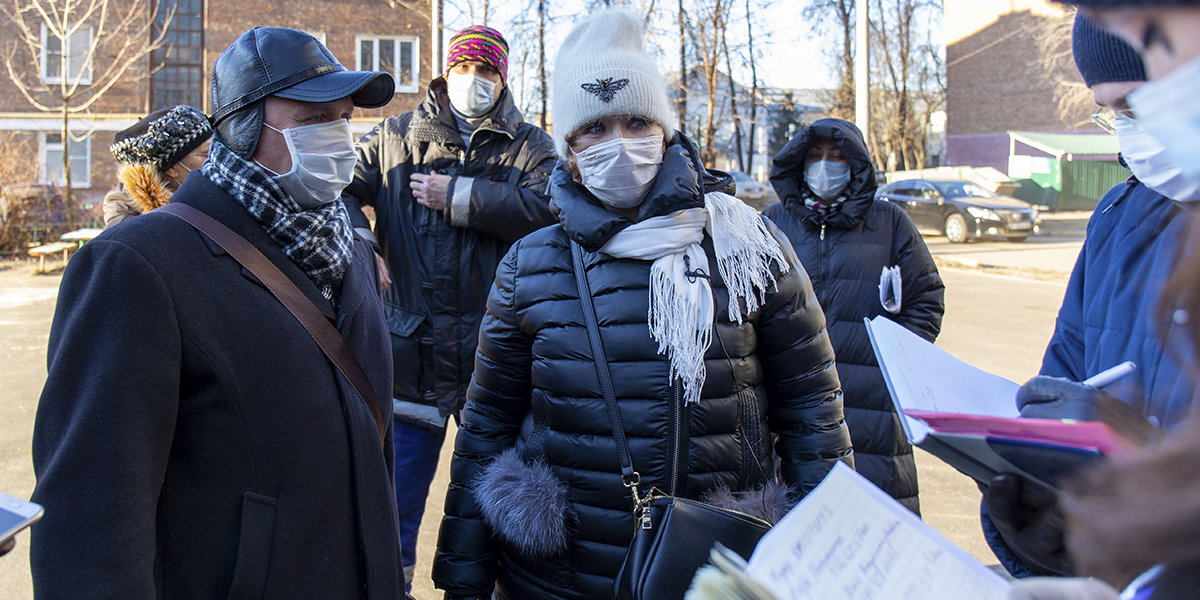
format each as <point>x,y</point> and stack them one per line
<point>462,161</point>
<point>822,232</point>
<point>674,436</point>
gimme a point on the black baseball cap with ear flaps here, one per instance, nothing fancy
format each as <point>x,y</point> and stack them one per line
<point>274,61</point>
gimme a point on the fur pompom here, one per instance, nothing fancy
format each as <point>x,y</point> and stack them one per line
<point>525,504</point>
<point>144,186</point>
<point>769,503</point>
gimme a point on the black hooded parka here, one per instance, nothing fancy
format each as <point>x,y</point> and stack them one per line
<point>844,253</point>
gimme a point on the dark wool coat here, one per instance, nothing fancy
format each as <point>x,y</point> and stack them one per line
<point>192,440</point>
<point>844,253</point>
<point>442,262</point>
<point>771,391</point>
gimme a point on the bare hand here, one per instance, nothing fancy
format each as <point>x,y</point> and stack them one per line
<point>430,190</point>
<point>385,279</point>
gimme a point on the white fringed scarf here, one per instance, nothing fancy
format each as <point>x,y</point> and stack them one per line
<point>681,299</point>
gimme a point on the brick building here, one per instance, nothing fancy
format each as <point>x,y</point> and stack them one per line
<point>362,34</point>
<point>1010,78</point>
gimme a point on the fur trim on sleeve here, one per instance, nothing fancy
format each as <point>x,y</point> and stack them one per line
<point>525,504</point>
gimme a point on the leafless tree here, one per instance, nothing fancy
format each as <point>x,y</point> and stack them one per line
<point>684,79</point>
<point>750,53</point>
<point>74,78</point>
<point>841,13</point>
<point>907,82</point>
<point>1057,60</point>
<point>711,19</point>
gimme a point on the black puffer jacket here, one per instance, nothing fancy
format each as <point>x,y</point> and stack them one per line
<point>771,390</point>
<point>844,253</point>
<point>442,262</point>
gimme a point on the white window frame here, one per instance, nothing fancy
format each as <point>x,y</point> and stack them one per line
<point>415,86</point>
<point>78,179</point>
<point>85,71</point>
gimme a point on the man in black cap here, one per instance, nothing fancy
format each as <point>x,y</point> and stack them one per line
<point>192,441</point>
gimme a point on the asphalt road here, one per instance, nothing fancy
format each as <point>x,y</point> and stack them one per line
<point>998,323</point>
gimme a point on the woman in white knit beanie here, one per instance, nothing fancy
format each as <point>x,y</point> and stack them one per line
<point>717,350</point>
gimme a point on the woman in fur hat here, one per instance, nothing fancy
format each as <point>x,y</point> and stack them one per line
<point>153,157</point>
<point>720,362</point>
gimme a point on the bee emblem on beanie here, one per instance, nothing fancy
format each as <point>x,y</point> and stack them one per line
<point>605,89</point>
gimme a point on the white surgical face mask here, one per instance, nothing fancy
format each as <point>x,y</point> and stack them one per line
<point>1168,110</point>
<point>1149,162</point>
<point>827,178</point>
<point>470,95</point>
<point>323,162</point>
<point>619,171</point>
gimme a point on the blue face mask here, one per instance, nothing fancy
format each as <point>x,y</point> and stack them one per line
<point>1167,109</point>
<point>827,178</point>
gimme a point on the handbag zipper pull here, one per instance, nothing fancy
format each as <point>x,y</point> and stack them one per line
<point>645,519</point>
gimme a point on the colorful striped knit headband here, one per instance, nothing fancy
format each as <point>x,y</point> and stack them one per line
<point>480,43</point>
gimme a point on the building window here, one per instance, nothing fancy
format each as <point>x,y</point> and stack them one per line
<point>180,76</point>
<point>396,55</point>
<point>80,153</point>
<point>79,69</point>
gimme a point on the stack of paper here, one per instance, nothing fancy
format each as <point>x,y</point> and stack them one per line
<point>968,417</point>
<point>848,540</point>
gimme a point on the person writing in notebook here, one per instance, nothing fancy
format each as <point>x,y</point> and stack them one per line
<point>192,440</point>
<point>1108,314</point>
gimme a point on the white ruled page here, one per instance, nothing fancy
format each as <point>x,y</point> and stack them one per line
<point>848,540</point>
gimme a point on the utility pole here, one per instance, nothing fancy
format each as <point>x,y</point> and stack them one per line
<point>435,39</point>
<point>862,88</point>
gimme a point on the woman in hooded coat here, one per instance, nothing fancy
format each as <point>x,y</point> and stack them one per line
<point>851,245</point>
<point>536,507</point>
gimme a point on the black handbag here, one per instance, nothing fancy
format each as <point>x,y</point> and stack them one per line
<point>672,536</point>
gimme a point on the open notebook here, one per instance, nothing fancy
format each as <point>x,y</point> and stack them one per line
<point>968,417</point>
<point>848,540</point>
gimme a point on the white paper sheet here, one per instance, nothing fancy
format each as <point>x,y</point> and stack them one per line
<point>922,376</point>
<point>848,540</point>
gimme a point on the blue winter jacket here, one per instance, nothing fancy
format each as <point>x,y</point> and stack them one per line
<point>1109,313</point>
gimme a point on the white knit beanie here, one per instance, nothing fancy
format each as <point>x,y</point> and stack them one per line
<point>601,71</point>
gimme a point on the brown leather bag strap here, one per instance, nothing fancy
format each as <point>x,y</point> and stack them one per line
<point>323,333</point>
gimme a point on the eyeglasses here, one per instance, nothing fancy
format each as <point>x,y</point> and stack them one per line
<point>1106,118</point>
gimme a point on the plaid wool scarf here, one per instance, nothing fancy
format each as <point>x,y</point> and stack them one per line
<point>320,241</point>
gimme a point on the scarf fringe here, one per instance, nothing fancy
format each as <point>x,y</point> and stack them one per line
<point>746,252</point>
<point>681,320</point>
<point>681,305</point>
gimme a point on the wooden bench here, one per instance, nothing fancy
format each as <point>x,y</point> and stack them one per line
<point>41,251</point>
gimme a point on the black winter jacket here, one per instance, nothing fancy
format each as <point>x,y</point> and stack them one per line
<point>192,441</point>
<point>442,262</point>
<point>771,391</point>
<point>844,253</point>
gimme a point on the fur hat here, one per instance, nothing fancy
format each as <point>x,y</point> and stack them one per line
<point>162,138</point>
<point>1102,57</point>
<point>480,43</point>
<point>602,70</point>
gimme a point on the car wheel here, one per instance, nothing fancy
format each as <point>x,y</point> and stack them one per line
<point>1016,238</point>
<point>955,228</point>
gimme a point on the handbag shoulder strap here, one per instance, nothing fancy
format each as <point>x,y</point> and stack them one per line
<point>629,477</point>
<point>331,342</point>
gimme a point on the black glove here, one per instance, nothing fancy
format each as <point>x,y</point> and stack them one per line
<point>1057,398</point>
<point>1028,518</point>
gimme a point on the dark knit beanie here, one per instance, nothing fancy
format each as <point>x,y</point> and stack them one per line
<point>1102,57</point>
<point>163,138</point>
